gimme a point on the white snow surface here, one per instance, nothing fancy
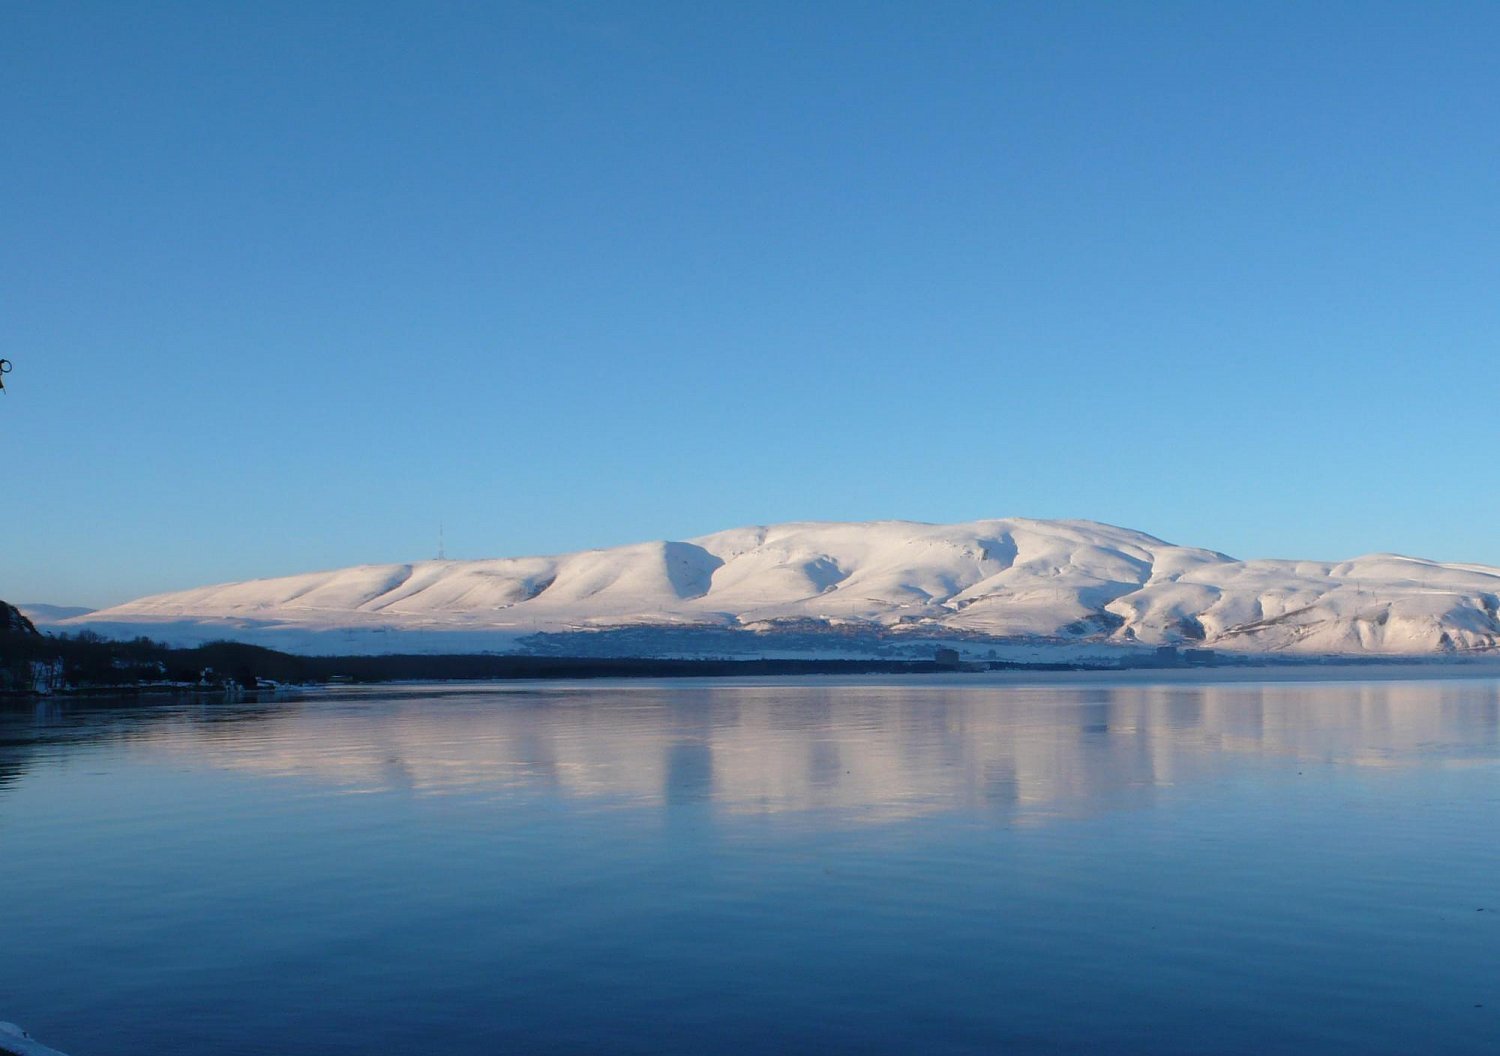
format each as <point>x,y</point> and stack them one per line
<point>1062,583</point>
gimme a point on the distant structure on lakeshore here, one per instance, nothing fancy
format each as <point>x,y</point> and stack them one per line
<point>1171,656</point>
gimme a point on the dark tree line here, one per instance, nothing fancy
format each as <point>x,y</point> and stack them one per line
<point>89,660</point>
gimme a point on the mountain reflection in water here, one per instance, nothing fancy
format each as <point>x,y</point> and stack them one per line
<point>950,866</point>
<point>869,751</point>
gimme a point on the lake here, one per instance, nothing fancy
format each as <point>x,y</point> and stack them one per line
<point>907,865</point>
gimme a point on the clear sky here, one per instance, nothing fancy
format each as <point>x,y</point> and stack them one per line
<point>286,285</point>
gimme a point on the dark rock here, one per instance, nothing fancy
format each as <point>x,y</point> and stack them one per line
<point>14,621</point>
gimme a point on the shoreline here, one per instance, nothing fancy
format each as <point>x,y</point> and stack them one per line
<point>482,670</point>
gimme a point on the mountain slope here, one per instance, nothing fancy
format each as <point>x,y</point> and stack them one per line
<point>1010,579</point>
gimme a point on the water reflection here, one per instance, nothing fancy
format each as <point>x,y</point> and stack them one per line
<point>874,751</point>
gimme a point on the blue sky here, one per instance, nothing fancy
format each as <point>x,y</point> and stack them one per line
<point>287,284</point>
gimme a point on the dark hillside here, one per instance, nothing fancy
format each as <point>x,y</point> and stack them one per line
<point>14,621</point>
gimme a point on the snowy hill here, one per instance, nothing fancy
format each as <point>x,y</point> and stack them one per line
<point>1044,585</point>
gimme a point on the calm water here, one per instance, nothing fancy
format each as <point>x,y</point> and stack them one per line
<point>825,867</point>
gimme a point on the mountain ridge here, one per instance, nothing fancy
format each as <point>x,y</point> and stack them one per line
<point>1003,580</point>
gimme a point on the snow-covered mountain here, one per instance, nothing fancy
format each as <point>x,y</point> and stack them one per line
<point>1042,584</point>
